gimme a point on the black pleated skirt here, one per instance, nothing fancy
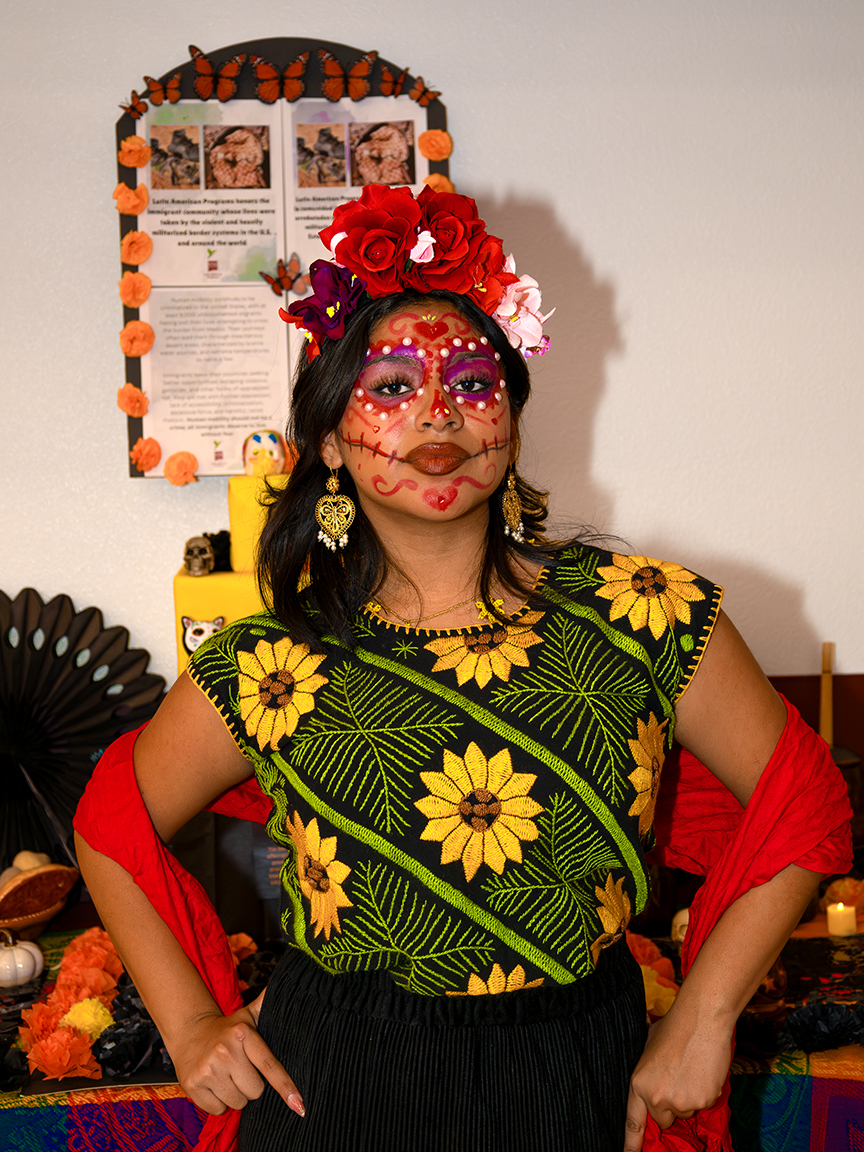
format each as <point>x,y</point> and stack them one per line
<point>382,1070</point>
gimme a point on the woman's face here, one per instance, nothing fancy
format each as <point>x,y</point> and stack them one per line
<point>427,431</point>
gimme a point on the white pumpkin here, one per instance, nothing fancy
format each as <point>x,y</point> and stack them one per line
<point>20,962</point>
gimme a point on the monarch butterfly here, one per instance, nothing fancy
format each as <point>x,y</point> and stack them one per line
<point>422,94</point>
<point>337,82</point>
<point>288,279</point>
<point>222,80</point>
<point>158,92</point>
<point>271,83</point>
<point>136,106</point>
<point>391,85</point>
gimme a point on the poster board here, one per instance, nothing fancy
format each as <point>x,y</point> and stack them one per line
<point>248,150</point>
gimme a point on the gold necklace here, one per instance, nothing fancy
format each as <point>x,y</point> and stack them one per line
<point>374,606</point>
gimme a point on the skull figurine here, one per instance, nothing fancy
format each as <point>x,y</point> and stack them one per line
<point>680,922</point>
<point>198,559</point>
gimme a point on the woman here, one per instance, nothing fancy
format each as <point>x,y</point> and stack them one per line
<point>460,729</point>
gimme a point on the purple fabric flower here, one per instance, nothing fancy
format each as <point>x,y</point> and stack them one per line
<point>337,293</point>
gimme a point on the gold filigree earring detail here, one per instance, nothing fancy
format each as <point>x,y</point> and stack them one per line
<point>335,515</point>
<point>512,508</point>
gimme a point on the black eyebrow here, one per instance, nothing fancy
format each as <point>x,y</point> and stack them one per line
<point>390,357</point>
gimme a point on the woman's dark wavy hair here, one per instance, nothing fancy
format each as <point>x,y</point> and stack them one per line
<point>342,581</point>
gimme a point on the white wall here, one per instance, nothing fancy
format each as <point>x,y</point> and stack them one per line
<point>685,180</point>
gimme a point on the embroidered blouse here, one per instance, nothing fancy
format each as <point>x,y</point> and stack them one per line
<point>469,808</point>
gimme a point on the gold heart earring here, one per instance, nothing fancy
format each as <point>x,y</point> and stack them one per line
<point>335,515</point>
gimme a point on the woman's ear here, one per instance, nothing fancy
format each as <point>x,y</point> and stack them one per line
<point>330,454</point>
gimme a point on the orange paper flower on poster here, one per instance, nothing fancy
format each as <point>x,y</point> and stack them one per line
<point>146,454</point>
<point>435,144</point>
<point>134,289</point>
<point>439,183</point>
<point>180,468</point>
<point>134,152</point>
<point>136,339</point>
<point>132,400</point>
<point>131,201</point>
<point>135,248</point>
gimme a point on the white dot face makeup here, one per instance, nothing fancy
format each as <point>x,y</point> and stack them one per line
<point>427,428</point>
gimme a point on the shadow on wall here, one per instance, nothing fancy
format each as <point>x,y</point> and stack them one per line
<point>768,611</point>
<point>568,382</point>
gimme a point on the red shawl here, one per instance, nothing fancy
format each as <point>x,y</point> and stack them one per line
<point>798,814</point>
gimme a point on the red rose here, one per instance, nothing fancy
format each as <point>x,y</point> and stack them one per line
<point>459,234</point>
<point>380,231</point>
<point>489,277</point>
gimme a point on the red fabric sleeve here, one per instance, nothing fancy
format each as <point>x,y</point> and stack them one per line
<point>798,814</point>
<point>113,820</point>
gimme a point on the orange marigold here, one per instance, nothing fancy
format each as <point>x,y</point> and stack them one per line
<point>135,248</point>
<point>134,152</point>
<point>64,1053</point>
<point>241,945</point>
<point>180,468</point>
<point>134,289</point>
<point>435,144</point>
<point>136,339</point>
<point>439,183</point>
<point>39,1022</point>
<point>132,400</point>
<point>131,201</point>
<point>146,454</point>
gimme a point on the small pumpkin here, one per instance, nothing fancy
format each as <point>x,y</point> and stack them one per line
<point>20,961</point>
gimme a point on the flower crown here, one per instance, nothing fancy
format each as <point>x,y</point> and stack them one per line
<point>388,241</point>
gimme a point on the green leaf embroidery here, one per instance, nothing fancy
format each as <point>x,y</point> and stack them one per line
<point>364,740</point>
<point>425,948</point>
<point>580,573</point>
<point>547,893</point>
<point>587,694</point>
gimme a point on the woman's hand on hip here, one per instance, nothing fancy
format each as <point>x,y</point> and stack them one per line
<point>222,1062</point>
<point>682,1070</point>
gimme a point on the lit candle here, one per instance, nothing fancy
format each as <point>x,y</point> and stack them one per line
<point>841,920</point>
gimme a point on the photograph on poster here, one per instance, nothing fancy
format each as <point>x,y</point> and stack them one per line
<point>175,162</point>
<point>382,153</point>
<point>320,155</point>
<point>237,157</point>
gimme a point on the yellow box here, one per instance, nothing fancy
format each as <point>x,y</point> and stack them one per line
<point>204,604</point>
<point>246,516</point>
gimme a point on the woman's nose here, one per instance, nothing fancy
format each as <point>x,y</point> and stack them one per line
<point>437,410</point>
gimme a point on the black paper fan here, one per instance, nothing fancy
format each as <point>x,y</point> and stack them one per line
<point>68,687</point>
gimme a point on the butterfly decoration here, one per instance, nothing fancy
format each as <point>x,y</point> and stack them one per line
<point>338,83</point>
<point>391,85</point>
<point>422,94</point>
<point>158,93</point>
<point>288,278</point>
<point>221,81</point>
<point>272,83</point>
<point>136,106</point>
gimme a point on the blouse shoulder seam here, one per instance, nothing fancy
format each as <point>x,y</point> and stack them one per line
<point>708,631</point>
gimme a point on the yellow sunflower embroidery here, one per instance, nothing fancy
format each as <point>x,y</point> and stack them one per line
<point>277,685</point>
<point>614,909</point>
<point>498,982</point>
<point>320,874</point>
<point>479,811</point>
<point>646,591</point>
<point>649,753</point>
<point>489,653</point>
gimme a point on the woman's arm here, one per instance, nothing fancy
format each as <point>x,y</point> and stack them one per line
<point>731,719</point>
<point>183,760</point>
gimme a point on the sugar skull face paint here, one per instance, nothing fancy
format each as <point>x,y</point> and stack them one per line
<point>427,429</point>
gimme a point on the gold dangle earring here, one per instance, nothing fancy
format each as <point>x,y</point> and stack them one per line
<point>512,508</point>
<point>335,515</point>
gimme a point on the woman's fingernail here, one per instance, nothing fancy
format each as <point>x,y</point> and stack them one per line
<point>296,1104</point>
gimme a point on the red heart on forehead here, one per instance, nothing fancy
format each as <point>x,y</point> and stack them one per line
<point>430,331</point>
